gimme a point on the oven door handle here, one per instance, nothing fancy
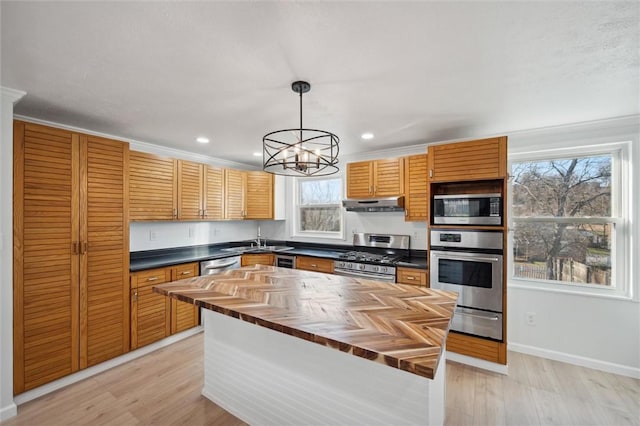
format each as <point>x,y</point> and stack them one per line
<point>470,258</point>
<point>357,274</point>
<point>490,318</point>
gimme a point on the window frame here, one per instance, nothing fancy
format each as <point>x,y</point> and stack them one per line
<point>621,288</point>
<point>296,231</point>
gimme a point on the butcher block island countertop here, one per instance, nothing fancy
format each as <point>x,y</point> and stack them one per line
<point>401,326</point>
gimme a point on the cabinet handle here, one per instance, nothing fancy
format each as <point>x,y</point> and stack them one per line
<point>204,213</point>
<point>83,247</point>
<point>406,212</point>
<point>313,265</point>
<point>430,173</point>
<point>175,213</point>
<point>75,247</point>
<point>410,278</point>
<point>152,279</point>
<point>185,272</point>
<point>135,296</point>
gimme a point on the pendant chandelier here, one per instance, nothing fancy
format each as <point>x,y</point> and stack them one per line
<point>300,152</point>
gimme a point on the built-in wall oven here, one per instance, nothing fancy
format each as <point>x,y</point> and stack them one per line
<point>470,263</point>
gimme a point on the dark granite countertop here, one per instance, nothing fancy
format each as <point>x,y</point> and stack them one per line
<point>417,260</point>
<point>150,259</point>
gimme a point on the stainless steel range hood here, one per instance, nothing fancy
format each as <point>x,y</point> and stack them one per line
<point>391,204</point>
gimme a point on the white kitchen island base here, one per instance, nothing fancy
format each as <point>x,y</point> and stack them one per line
<point>265,377</point>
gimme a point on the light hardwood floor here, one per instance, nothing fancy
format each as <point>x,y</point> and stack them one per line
<point>164,388</point>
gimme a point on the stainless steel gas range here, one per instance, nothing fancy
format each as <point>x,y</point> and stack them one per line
<point>374,256</point>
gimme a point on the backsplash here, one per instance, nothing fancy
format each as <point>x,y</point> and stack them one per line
<point>159,235</point>
<point>383,223</point>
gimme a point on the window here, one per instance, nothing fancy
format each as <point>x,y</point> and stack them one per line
<point>319,207</point>
<point>569,226</point>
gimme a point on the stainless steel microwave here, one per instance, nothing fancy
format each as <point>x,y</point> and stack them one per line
<point>467,209</point>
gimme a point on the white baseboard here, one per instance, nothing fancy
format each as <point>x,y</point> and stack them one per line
<point>596,364</point>
<point>477,362</point>
<point>96,369</point>
<point>8,412</point>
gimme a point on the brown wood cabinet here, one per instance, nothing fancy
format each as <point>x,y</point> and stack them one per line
<point>416,195</point>
<point>259,195</point>
<point>257,259</point>
<point>476,347</point>
<point>377,178</point>
<point>471,160</point>
<point>183,315</point>
<point>412,276</point>
<point>314,264</point>
<point>150,312</point>
<point>473,167</point>
<point>153,189</point>
<point>213,195</point>
<point>249,195</point>
<point>190,190</point>
<point>71,252</point>
<point>166,189</point>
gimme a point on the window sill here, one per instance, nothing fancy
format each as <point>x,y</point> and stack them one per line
<point>518,283</point>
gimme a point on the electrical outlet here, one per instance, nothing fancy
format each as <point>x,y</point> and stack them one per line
<point>153,235</point>
<point>415,235</point>
<point>531,318</point>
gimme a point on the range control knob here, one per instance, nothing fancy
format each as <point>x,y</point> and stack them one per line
<point>375,268</point>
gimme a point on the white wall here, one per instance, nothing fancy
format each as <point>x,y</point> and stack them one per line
<point>598,332</point>
<point>158,235</point>
<point>7,98</point>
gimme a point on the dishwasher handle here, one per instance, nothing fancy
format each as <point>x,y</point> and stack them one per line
<point>213,266</point>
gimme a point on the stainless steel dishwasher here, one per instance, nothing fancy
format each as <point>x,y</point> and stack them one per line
<point>209,267</point>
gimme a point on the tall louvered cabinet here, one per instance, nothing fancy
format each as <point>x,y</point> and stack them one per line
<point>71,252</point>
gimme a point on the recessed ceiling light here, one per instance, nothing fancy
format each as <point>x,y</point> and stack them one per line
<point>202,139</point>
<point>257,154</point>
<point>367,136</point>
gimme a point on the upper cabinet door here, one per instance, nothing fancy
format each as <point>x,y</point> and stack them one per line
<point>152,187</point>
<point>234,184</point>
<point>259,195</point>
<point>378,178</point>
<point>416,197</point>
<point>472,160</point>
<point>190,185</point>
<point>388,177</point>
<point>360,179</point>
<point>213,193</point>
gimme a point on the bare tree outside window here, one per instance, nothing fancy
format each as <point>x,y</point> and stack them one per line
<point>562,216</point>
<point>319,205</point>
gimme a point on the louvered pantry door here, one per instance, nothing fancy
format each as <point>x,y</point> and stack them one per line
<point>45,255</point>
<point>104,230</point>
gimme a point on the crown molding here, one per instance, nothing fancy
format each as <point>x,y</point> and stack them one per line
<point>145,146</point>
<point>12,94</point>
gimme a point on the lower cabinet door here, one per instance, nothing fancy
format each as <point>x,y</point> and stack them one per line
<point>183,316</point>
<point>149,316</point>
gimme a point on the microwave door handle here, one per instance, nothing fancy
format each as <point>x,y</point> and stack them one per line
<point>493,318</point>
<point>480,258</point>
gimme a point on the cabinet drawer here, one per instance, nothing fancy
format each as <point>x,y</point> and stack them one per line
<point>412,276</point>
<point>257,259</point>
<point>186,270</point>
<point>314,264</point>
<point>150,277</point>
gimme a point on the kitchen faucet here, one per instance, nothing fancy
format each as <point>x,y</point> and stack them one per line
<point>257,240</point>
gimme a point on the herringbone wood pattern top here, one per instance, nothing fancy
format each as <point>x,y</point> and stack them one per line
<point>402,326</point>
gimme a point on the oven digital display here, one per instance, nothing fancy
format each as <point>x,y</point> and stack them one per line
<point>451,238</point>
<point>464,272</point>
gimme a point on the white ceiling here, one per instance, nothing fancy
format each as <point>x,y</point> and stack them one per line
<point>410,72</point>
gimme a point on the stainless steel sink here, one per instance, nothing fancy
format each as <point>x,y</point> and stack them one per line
<point>255,249</point>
